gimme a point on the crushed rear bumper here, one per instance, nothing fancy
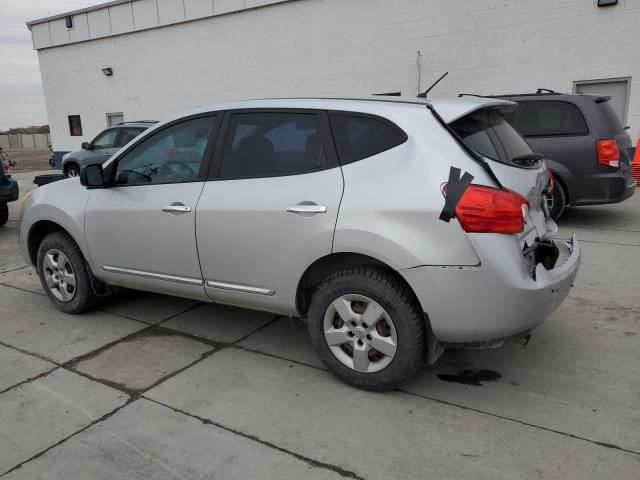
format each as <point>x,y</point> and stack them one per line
<point>486,305</point>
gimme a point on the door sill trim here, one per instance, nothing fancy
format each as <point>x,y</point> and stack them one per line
<point>235,287</point>
<point>154,276</point>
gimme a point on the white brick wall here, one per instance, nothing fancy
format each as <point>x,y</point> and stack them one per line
<point>342,47</point>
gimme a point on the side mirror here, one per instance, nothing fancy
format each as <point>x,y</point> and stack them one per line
<point>91,176</point>
<point>85,146</point>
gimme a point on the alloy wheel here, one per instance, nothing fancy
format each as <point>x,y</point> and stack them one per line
<point>360,333</point>
<point>59,275</point>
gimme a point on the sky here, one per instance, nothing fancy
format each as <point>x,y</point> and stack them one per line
<point>21,95</point>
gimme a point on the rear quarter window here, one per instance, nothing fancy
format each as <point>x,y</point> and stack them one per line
<point>362,136</point>
<point>548,118</point>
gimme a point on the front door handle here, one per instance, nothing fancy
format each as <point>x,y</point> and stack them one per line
<point>177,208</point>
<point>302,209</point>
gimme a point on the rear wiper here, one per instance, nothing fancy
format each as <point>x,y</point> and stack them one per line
<point>528,159</point>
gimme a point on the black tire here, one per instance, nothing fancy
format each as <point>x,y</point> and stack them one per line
<point>71,170</point>
<point>4,213</point>
<point>84,299</point>
<point>398,302</point>
<point>559,201</point>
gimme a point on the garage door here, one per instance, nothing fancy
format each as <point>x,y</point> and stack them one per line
<point>617,89</point>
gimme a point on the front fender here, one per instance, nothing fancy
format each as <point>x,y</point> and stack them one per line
<point>62,203</point>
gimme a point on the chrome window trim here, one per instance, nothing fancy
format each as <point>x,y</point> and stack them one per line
<point>152,275</point>
<point>235,287</point>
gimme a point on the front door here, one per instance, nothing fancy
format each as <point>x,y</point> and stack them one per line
<point>141,232</point>
<point>270,207</point>
<point>103,147</point>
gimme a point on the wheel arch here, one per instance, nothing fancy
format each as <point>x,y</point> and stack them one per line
<point>325,266</point>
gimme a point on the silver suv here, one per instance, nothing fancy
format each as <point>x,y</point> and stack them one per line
<point>379,222</point>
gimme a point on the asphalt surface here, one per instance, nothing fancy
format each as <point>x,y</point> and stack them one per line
<point>158,387</point>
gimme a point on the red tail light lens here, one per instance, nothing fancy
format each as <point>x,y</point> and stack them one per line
<point>608,153</point>
<point>491,210</point>
<point>5,167</point>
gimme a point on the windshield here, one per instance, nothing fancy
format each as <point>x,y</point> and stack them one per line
<point>488,133</point>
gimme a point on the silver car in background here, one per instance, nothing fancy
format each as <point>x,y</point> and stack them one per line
<point>395,228</point>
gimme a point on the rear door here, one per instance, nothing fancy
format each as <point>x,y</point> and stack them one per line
<point>270,207</point>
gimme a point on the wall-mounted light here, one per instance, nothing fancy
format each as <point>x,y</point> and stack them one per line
<point>68,21</point>
<point>607,3</point>
<point>108,71</point>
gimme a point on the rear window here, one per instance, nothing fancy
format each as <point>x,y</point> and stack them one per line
<point>488,133</point>
<point>359,137</point>
<point>613,120</point>
<point>548,118</point>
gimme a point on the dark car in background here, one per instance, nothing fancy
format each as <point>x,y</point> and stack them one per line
<point>584,144</point>
<point>101,148</point>
<point>8,189</point>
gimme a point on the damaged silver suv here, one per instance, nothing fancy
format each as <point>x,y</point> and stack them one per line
<point>395,228</point>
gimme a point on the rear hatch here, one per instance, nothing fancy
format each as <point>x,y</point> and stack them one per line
<point>610,126</point>
<point>512,161</point>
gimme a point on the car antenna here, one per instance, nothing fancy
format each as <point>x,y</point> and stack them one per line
<point>426,92</point>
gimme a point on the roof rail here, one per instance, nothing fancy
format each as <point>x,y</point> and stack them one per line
<point>137,121</point>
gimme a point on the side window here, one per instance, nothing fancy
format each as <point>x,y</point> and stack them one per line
<point>359,137</point>
<point>273,144</point>
<point>548,118</point>
<point>105,140</point>
<point>172,155</point>
<point>126,135</point>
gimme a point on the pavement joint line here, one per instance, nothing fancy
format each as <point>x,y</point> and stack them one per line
<point>33,354</point>
<point>521,422</point>
<point>14,269</point>
<point>30,379</point>
<point>266,354</point>
<point>192,307</point>
<point>310,461</point>
<point>63,440</point>
<point>42,294</point>
<point>451,404</point>
<point>602,243</point>
<point>127,317</point>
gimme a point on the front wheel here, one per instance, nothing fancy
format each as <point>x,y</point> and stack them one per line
<point>64,274</point>
<point>71,170</point>
<point>366,328</point>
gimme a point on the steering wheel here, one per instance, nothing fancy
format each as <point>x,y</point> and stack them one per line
<point>166,170</point>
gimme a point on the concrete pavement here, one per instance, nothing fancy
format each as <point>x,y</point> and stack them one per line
<point>158,387</point>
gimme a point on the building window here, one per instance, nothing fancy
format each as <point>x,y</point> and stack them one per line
<point>114,119</point>
<point>75,127</point>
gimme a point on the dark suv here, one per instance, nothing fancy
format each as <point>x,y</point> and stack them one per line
<point>101,148</point>
<point>584,143</point>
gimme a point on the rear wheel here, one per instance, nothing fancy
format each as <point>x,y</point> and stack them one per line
<point>71,170</point>
<point>4,213</point>
<point>64,274</point>
<point>367,328</point>
<point>557,203</point>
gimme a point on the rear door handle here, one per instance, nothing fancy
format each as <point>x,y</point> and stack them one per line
<point>177,208</point>
<point>307,209</point>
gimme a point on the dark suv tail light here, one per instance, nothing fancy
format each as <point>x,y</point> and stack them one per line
<point>608,153</point>
<point>5,167</point>
<point>491,210</point>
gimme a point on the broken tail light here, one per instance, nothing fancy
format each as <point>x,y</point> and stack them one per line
<point>608,153</point>
<point>491,210</point>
